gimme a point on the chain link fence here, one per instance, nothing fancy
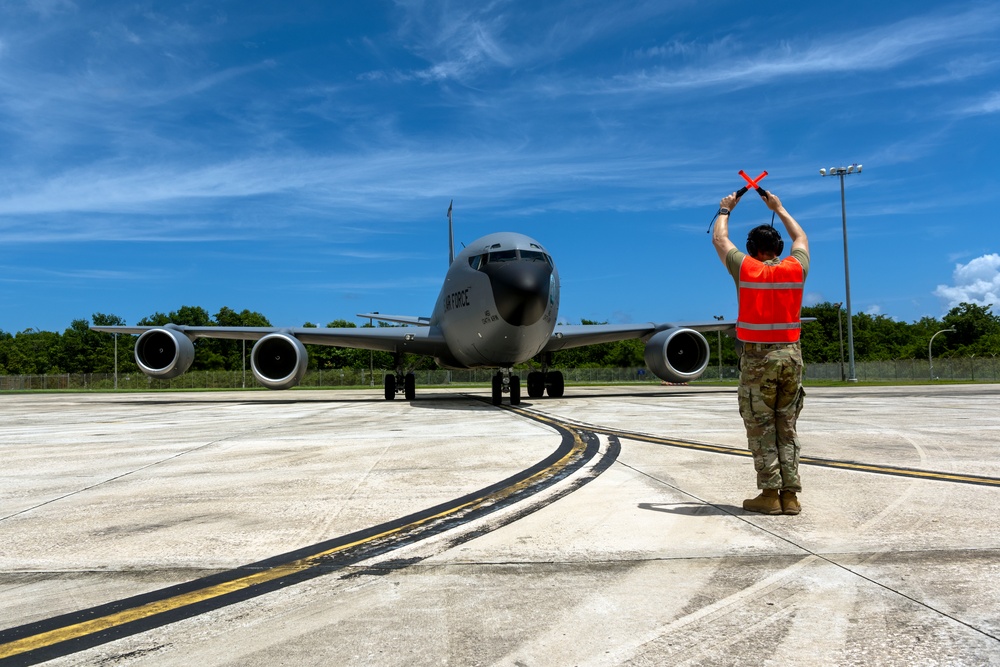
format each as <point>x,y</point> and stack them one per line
<point>904,370</point>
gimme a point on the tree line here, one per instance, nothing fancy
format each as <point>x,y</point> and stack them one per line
<point>78,349</point>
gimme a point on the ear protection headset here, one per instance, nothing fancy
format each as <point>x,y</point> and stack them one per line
<point>765,230</point>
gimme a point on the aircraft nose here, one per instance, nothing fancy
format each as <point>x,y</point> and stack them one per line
<point>520,289</point>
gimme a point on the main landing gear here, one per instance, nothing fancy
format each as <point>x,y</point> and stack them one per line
<point>505,382</point>
<point>400,382</point>
<point>545,380</point>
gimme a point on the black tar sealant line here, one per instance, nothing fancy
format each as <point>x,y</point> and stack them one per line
<point>69,633</point>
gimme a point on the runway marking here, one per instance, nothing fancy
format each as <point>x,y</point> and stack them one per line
<point>69,633</point>
<point>898,471</point>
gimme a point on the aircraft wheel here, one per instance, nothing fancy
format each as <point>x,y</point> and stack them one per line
<point>390,387</point>
<point>497,388</point>
<point>556,384</point>
<point>409,386</point>
<point>515,390</point>
<point>536,384</point>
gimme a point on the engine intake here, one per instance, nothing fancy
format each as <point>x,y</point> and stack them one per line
<point>279,361</point>
<point>677,355</point>
<point>164,353</point>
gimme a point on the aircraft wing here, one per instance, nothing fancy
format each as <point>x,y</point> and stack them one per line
<point>418,340</point>
<point>566,336</point>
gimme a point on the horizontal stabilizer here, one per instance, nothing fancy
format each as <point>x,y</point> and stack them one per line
<point>399,319</point>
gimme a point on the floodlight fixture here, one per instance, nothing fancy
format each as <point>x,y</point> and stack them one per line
<point>822,172</point>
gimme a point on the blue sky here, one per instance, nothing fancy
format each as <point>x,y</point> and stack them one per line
<point>297,159</point>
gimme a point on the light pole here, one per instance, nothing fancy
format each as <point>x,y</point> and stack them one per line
<point>371,355</point>
<point>719,334</point>
<point>930,360</point>
<point>844,171</point>
<point>840,336</point>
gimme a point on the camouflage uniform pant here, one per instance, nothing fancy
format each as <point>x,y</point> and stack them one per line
<point>770,397</point>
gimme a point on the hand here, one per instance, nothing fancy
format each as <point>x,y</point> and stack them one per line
<point>772,201</point>
<point>729,202</point>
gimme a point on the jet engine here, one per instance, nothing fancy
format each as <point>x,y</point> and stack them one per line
<point>279,361</point>
<point>164,353</point>
<point>677,354</point>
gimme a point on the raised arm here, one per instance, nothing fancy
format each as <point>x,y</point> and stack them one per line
<point>794,229</point>
<point>720,235</point>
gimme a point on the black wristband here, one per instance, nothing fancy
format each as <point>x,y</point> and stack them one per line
<point>723,211</point>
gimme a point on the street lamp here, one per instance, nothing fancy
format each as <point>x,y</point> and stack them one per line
<point>840,336</point>
<point>719,334</point>
<point>844,171</point>
<point>930,361</point>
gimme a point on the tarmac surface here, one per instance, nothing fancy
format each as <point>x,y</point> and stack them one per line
<point>602,528</point>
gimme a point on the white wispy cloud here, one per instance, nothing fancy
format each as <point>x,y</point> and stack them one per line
<point>984,106</point>
<point>375,181</point>
<point>876,49</point>
<point>461,42</point>
<point>47,8</point>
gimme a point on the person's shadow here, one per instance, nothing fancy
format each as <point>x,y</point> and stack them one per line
<point>692,509</point>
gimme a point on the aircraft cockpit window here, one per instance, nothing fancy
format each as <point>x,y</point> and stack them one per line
<point>503,256</point>
<point>479,262</point>
<point>534,254</point>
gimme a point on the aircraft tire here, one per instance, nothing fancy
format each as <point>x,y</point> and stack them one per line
<point>497,389</point>
<point>556,384</point>
<point>410,386</point>
<point>536,384</point>
<point>515,390</point>
<point>390,387</point>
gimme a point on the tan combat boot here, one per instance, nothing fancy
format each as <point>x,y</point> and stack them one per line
<point>767,502</point>
<point>790,503</point>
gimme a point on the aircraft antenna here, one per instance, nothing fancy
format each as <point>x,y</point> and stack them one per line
<point>451,236</point>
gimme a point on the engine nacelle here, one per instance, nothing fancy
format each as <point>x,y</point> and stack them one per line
<point>164,353</point>
<point>677,355</point>
<point>279,361</point>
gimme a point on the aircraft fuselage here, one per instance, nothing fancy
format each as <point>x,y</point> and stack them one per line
<point>499,302</point>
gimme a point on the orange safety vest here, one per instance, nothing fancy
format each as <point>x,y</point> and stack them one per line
<point>770,297</point>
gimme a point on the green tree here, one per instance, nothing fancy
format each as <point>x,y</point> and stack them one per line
<point>821,339</point>
<point>6,343</point>
<point>232,351</point>
<point>325,357</point>
<point>208,351</point>
<point>976,330</point>
<point>34,352</point>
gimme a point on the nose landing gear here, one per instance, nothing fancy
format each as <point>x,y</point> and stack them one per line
<point>505,382</point>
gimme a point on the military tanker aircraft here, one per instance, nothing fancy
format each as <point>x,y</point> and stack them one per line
<point>498,307</point>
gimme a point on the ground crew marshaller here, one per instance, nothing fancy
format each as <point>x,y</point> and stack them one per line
<point>770,392</point>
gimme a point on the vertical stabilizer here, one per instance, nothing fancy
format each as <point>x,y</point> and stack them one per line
<point>451,236</point>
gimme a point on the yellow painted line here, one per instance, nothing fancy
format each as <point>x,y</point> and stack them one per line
<point>85,628</point>
<point>803,460</point>
<point>904,472</point>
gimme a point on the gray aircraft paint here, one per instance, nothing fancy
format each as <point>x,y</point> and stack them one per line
<point>495,315</point>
